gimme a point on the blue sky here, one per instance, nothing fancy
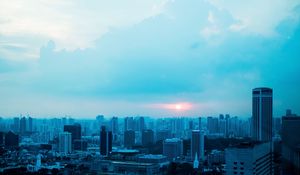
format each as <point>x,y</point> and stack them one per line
<point>81,58</point>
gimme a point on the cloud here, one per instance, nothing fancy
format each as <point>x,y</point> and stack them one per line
<point>156,58</point>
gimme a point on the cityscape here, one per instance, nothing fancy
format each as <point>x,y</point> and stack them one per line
<point>151,87</point>
<point>223,144</point>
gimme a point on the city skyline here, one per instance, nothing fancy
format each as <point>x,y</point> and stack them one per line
<point>151,58</point>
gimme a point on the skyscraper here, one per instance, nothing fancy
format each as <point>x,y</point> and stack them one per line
<point>197,144</point>
<point>75,130</point>
<point>129,138</point>
<point>172,148</point>
<point>65,142</point>
<point>114,128</point>
<point>105,141</point>
<point>262,109</point>
<point>147,137</point>
<point>23,125</point>
<point>291,140</point>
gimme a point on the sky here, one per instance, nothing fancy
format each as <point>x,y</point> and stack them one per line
<point>157,58</point>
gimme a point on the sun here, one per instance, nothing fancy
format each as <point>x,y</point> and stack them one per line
<point>178,107</point>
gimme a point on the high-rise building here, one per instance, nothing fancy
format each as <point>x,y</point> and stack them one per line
<point>212,125</point>
<point>262,109</point>
<point>249,158</point>
<point>75,131</point>
<point>128,123</point>
<point>291,140</point>
<point>11,140</point>
<point>23,125</point>
<point>199,124</point>
<point>105,141</point>
<point>16,126</point>
<point>147,137</point>
<point>115,128</point>
<point>30,124</point>
<point>163,135</point>
<point>129,138</point>
<point>65,142</point>
<point>197,144</point>
<point>173,148</point>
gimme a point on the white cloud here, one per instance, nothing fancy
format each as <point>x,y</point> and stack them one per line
<point>71,24</point>
<point>256,16</point>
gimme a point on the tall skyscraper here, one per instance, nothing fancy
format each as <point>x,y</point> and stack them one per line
<point>23,125</point>
<point>199,124</point>
<point>129,138</point>
<point>262,109</point>
<point>172,148</point>
<point>16,126</point>
<point>128,123</point>
<point>197,144</point>
<point>147,137</point>
<point>115,128</point>
<point>105,141</point>
<point>30,124</point>
<point>75,130</point>
<point>65,142</point>
<point>291,140</point>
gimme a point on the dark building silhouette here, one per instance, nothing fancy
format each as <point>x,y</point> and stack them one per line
<point>291,140</point>
<point>262,109</point>
<point>2,138</point>
<point>11,140</point>
<point>129,138</point>
<point>147,137</point>
<point>30,124</point>
<point>128,123</point>
<point>75,131</point>
<point>105,141</point>
<point>23,125</point>
<point>16,126</point>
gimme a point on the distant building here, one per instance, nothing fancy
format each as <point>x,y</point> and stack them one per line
<point>65,142</point>
<point>249,158</point>
<point>147,137</point>
<point>23,125</point>
<point>75,131</point>
<point>11,140</point>
<point>115,128</point>
<point>262,112</point>
<point>129,138</point>
<point>291,140</point>
<point>197,144</point>
<point>173,148</point>
<point>105,141</point>
<point>30,124</point>
<point>128,123</point>
<point>163,135</point>
<point>213,125</point>
<point>16,125</point>
<point>2,138</point>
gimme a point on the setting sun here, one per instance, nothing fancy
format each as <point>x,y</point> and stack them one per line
<point>178,107</point>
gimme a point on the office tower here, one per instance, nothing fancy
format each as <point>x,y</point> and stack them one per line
<point>291,140</point>
<point>163,135</point>
<point>128,123</point>
<point>173,148</point>
<point>147,137</point>
<point>141,124</point>
<point>16,126</point>
<point>23,125</point>
<point>212,125</point>
<point>30,124</point>
<point>11,140</point>
<point>129,138</point>
<point>227,119</point>
<point>199,124</point>
<point>197,144</point>
<point>2,138</point>
<point>222,126</point>
<point>191,125</point>
<point>248,159</point>
<point>114,128</point>
<point>65,142</point>
<point>105,141</point>
<point>75,131</point>
<point>262,102</point>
